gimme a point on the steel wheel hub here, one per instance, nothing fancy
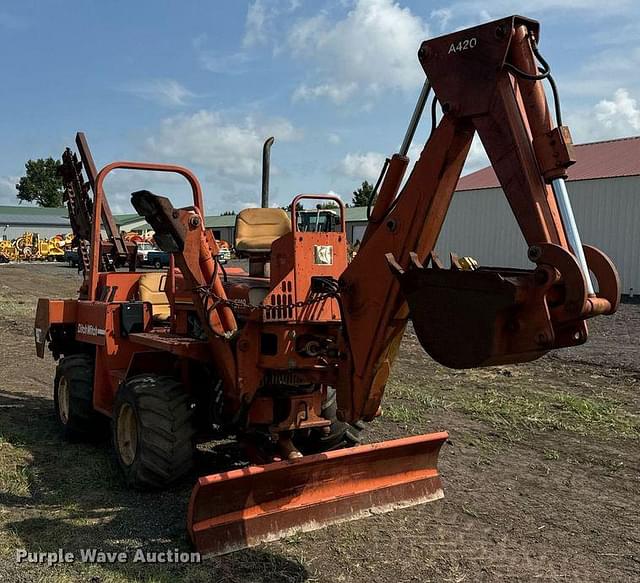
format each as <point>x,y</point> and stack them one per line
<point>63,400</point>
<point>127,434</point>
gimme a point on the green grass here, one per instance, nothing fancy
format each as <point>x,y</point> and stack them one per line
<point>14,470</point>
<point>12,307</point>
<point>551,410</point>
<point>514,408</point>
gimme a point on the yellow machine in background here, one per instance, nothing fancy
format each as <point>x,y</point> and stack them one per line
<point>8,252</point>
<point>31,247</point>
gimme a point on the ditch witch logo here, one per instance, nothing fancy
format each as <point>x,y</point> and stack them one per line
<point>96,556</point>
<point>89,330</point>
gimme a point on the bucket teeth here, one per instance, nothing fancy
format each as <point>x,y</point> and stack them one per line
<point>394,266</point>
<point>455,261</point>
<point>413,257</point>
<point>435,260</point>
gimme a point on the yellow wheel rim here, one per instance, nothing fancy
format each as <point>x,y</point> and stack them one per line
<point>127,434</point>
<point>63,400</point>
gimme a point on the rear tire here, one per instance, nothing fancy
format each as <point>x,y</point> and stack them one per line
<point>341,434</point>
<point>73,397</point>
<point>152,430</point>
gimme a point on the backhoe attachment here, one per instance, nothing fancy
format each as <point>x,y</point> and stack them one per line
<point>488,80</point>
<point>488,316</point>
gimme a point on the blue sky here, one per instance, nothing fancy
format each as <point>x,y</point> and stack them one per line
<point>204,83</point>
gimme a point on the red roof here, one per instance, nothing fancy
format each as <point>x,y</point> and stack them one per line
<point>608,159</point>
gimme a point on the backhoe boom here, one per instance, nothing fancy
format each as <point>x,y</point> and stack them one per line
<point>487,82</point>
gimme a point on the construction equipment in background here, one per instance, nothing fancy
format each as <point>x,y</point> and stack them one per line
<point>51,249</point>
<point>8,251</point>
<point>27,246</point>
<point>292,363</point>
<point>32,247</point>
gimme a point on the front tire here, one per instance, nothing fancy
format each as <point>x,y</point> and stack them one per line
<point>73,396</point>
<point>152,430</point>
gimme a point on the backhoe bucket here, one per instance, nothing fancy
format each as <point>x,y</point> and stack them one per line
<point>489,316</point>
<point>233,510</point>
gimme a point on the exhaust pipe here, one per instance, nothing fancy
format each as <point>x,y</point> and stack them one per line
<point>266,163</point>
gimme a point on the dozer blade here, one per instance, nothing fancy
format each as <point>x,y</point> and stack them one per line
<point>242,508</point>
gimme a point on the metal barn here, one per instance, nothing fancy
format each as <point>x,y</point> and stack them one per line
<point>47,222</point>
<point>604,186</point>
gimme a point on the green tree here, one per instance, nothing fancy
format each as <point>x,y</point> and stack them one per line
<point>228,213</point>
<point>41,183</point>
<point>362,195</point>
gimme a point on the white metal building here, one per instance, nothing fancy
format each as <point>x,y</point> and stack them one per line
<point>47,222</point>
<point>604,187</point>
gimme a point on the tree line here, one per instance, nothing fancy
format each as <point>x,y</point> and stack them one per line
<point>42,185</point>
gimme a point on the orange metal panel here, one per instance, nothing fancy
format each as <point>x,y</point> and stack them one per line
<point>91,325</point>
<point>50,312</point>
<point>241,508</point>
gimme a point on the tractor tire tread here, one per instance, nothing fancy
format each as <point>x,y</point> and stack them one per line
<point>165,431</point>
<point>83,420</point>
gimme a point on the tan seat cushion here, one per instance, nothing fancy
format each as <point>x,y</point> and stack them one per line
<point>151,289</point>
<point>257,229</point>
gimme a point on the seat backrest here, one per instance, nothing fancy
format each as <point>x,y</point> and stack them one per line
<point>258,228</point>
<point>151,289</point>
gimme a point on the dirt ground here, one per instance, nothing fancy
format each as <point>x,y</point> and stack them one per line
<point>541,473</point>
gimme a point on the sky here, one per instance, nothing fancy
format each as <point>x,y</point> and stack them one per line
<point>204,83</point>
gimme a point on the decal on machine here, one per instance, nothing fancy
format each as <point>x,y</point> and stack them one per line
<point>463,45</point>
<point>323,254</point>
<point>90,330</point>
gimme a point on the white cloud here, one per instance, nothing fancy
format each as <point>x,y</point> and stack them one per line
<point>257,17</point>
<point>365,166</point>
<point>8,190</point>
<point>616,117</point>
<point>259,24</point>
<point>207,140</point>
<point>374,47</point>
<point>162,91</point>
<point>443,16</point>
<point>334,138</point>
<point>228,154</point>
<point>621,113</point>
<point>477,157</point>
<point>217,62</point>
<point>477,11</point>
<point>335,92</point>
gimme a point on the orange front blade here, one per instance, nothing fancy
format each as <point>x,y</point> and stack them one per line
<point>242,508</point>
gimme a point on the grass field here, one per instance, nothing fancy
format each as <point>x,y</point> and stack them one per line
<point>541,474</point>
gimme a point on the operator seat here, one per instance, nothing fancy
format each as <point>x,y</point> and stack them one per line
<point>256,230</point>
<point>151,289</point>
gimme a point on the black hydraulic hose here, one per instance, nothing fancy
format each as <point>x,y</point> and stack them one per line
<point>544,73</point>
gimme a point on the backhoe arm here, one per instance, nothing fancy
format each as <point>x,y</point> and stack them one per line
<point>487,81</point>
